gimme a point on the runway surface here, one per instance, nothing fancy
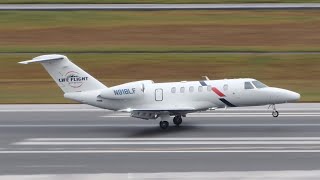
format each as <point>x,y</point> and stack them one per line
<point>78,139</point>
<point>253,6</point>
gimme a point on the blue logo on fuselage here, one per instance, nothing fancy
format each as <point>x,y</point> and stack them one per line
<point>120,92</point>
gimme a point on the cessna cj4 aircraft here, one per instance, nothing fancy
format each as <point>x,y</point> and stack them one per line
<point>148,100</point>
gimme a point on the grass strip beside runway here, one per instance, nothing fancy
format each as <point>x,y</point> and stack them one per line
<point>31,83</point>
<point>159,31</point>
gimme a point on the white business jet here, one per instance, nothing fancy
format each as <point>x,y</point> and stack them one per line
<point>148,100</point>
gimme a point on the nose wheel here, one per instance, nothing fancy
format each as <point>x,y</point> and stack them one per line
<point>275,113</point>
<point>177,120</point>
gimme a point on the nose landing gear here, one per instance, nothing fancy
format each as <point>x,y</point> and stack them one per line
<point>275,113</point>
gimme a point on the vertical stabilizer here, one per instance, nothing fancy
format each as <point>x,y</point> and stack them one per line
<point>68,76</point>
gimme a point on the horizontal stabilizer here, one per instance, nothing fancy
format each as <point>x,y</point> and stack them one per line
<point>43,58</point>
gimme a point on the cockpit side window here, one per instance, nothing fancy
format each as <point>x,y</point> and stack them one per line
<point>248,85</point>
<point>259,84</point>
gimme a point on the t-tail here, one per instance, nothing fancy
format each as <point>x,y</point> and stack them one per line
<point>69,77</point>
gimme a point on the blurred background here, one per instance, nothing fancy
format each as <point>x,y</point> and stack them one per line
<point>279,47</point>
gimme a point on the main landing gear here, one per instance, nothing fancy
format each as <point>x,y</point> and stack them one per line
<point>177,120</point>
<point>164,124</point>
<point>275,113</point>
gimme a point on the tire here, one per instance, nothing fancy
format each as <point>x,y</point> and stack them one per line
<point>275,113</point>
<point>164,124</point>
<point>177,120</point>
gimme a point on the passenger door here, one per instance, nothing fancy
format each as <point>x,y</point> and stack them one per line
<point>158,94</point>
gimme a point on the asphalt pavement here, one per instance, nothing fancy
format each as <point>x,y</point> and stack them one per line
<point>40,140</point>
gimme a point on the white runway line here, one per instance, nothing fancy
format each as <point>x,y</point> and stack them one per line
<point>154,151</point>
<point>221,175</point>
<point>207,148</point>
<point>151,125</point>
<point>163,145</point>
<point>173,141</point>
<point>178,139</point>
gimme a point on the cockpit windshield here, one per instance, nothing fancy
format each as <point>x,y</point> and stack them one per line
<point>259,84</point>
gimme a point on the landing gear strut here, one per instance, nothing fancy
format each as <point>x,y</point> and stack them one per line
<point>177,120</point>
<point>275,113</point>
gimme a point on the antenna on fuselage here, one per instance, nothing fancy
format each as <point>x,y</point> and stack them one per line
<point>206,78</point>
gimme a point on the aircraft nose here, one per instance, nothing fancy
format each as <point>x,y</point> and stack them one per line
<point>292,96</point>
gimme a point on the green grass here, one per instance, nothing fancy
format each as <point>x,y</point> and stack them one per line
<point>121,31</point>
<point>153,1</point>
<point>83,31</point>
<point>108,19</point>
<point>31,84</point>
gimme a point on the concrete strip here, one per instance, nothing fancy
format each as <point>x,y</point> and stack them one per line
<point>177,139</point>
<point>171,143</point>
<point>152,151</point>
<point>253,6</point>
<point>226,175</point>
<point>149,125</point>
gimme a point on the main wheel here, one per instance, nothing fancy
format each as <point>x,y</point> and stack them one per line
<point>164,124</point>
<point>275,113</point>
<point>177,120</point>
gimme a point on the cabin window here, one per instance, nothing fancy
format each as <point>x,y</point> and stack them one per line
<point>259,84</point>
<point>248,85</point>
<point>182,89</point>
<point>209,88</point>
<point>191,89</point>
<point>200,88</point>
<point>173,90</point>
<point>225,87</point>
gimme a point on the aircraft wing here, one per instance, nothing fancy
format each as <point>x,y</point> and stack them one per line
<point>153,113</point>
<point>159,109</point>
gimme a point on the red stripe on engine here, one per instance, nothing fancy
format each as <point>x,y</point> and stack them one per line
<point>219,93</point>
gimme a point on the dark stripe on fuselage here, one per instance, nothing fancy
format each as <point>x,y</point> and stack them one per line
<point>227,102</point>
<point>203,83</point>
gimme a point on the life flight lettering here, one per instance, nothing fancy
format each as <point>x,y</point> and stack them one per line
<point>73,79</point>
<point>120,92</point>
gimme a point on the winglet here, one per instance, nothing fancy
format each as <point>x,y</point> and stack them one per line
<point>206,78</point>
<point>43,58</point>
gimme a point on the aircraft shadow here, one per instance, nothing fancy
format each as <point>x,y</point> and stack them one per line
<point>156,131</point>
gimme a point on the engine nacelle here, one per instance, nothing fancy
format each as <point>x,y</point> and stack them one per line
<point>129,90</point>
